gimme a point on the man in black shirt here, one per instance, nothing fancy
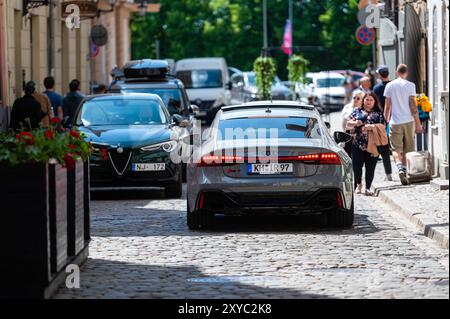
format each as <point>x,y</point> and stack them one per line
<point>26,112</point>
<point>383,73</point>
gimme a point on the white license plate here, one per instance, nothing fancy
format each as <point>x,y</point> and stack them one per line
<point>154,167</point>
<point>271,168</point>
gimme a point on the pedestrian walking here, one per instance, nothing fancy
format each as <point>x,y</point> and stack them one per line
<point>403,117</point>
<point>72,99</point>
<point>349,85</point>
<point>422,138</point>
<point>46,107</point>
<point>362,120</point>
<point>370,73</point>
<point>55,98</point>
<point>26,112</point>
<point>365,85</point>
<point>345,116</point>
<point>385,151</point>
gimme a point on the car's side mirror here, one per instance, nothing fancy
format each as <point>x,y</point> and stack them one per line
<point>177,119</point>
<point>328,125</point>
<point>194,108</point>
<point>229,85</point>
<point>342,137</point>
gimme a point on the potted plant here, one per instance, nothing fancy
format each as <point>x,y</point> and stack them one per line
<point>33,195</point>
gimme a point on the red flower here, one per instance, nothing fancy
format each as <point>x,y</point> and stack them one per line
<point>55,120</point>
<point>69,161</point>
<point>71,146</point>
<point>49,135</point>
<point>75,134</point>
<point>26,137</point>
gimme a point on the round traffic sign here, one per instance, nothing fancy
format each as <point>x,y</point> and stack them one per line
<point>365,35</point>
<point>99,35</point>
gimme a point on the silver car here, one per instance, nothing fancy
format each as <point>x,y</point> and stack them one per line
<point>269,157</point>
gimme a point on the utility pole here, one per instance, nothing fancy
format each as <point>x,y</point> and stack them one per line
<point>266,41</point>
<point>291,20</point>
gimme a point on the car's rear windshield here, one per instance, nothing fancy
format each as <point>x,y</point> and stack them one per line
<point>172,98</point>
<point>269,127</point>
<point>330,82</point>
<point>121,112</point>
<point>201,79</point>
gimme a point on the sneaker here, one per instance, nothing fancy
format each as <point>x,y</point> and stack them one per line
<point>359,189</point>
<point>403,178</point>
<point>368,193</point>
<point>388,178</point>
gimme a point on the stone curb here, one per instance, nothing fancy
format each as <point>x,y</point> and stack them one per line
<point>423,223</point>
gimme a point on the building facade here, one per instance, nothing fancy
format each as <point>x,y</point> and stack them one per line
<point>437,60</point>
<point>36,42</point>
<point>416,33</point>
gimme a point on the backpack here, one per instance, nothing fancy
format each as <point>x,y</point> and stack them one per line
<point>418,166</point>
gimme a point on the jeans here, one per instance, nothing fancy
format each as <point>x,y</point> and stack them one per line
<point>360,159</point>
<point>385,152</point>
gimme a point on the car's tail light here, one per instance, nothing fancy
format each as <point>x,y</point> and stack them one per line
<point>215,160</point>
<point>320,159</point>
<point>317,159</point>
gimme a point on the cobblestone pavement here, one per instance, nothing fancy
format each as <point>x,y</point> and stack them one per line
<point>142,248</point>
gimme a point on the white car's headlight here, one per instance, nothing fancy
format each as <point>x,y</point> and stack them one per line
<point>168,147</point>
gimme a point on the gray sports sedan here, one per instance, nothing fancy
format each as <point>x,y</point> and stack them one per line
<point>269,157</point>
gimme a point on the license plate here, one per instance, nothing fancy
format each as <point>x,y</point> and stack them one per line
<point>154,167</point>
<point>271,168</point>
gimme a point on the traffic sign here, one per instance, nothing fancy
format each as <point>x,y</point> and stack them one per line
<point>365,35</point>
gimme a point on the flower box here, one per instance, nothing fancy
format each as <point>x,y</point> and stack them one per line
<point>24,230</point>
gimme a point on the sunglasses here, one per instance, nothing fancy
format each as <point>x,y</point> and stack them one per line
<point>357,98</point>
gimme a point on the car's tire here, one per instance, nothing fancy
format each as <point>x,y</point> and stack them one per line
<point>342,218</point>
<point>199,219</point>
<point>175,190</point>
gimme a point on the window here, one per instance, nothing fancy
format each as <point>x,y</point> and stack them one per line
<point>121,112</point>
<point>172,98</point>
<point>201,79</point>
<point>262,128</point>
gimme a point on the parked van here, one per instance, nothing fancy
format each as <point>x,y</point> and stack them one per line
<point>206,80</point>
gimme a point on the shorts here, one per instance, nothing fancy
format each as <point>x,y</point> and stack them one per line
<point>402,137</point>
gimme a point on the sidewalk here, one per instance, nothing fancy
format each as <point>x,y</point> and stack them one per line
<point>426,208</point>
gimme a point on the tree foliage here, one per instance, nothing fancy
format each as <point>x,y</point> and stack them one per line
<point>323,32</point>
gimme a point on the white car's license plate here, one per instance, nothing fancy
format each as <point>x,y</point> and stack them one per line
<point>153,167</point>
<point>271,168</point>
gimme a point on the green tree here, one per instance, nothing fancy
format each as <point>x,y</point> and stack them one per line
<point>233,29</point>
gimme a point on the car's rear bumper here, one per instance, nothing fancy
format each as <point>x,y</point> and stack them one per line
<point>228,203</point>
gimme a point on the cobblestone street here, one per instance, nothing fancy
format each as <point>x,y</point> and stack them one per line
<point>142,248</point>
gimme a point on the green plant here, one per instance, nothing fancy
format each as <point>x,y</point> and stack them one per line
<point>44,145</point>
<point>297,67</point>
<point>265,69</point>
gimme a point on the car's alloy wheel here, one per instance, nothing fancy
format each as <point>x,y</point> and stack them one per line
<point>342,218</point>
